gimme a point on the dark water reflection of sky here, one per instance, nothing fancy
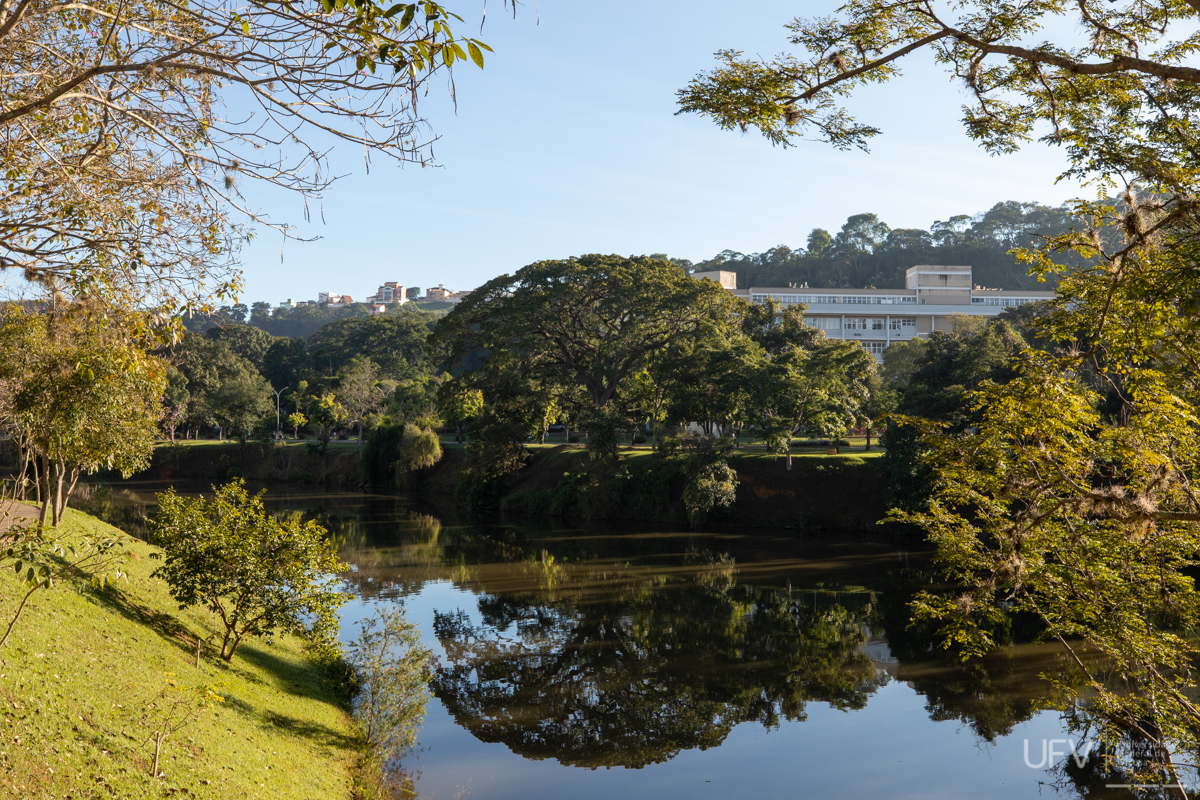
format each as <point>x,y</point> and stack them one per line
<point>618,660</point>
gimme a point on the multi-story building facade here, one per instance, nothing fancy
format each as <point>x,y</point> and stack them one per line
<point>877,317</point>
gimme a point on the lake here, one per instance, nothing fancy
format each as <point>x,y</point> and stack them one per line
<point>603,660</point>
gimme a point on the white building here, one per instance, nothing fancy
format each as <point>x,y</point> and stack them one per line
<point>877,317</point>
<point>389,292</point>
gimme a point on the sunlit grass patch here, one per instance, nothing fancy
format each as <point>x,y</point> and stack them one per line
<point>80,675</point>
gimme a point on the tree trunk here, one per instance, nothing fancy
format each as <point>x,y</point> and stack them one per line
<point>159,738</point>
<point>789,457</point>
<point>868,437</point>
<point>44,495</point>
<point>360,437</point>
<point>65,497</point>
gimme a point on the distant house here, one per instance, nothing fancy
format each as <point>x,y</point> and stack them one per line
<point>390,292</point>
<point>437,294</point>
<point>440,294</point>
<point>377,308</point>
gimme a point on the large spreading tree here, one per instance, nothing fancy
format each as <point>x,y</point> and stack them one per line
<point>578,329</point>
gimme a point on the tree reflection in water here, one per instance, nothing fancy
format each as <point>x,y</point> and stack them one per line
<point>634,679</point>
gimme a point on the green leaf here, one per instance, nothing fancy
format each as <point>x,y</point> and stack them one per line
<point>394,10</point>
<point>409,12</point>
<point>476,55</point>
<point>245,30</point>
<point>448,55</point>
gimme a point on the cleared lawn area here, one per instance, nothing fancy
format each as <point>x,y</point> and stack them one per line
<point>82,666</point>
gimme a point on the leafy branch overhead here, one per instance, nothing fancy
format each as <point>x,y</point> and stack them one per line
<point>1121,95</point>
<point>128,130</point>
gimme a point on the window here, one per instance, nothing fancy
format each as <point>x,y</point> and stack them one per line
<point>824,323</point>
<point>874,348</point>
<point>1005,302</point>
<point>856,323</point>
<point>876,323</point>
<point>903,325</point>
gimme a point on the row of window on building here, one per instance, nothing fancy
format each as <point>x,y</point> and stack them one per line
<point>903,325</point>
<point>828,299</point>
<point>848,299</point>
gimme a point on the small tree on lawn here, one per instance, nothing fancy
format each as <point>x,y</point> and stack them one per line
<point>261,577</point>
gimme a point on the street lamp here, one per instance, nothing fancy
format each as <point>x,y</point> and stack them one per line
<point>277,396</point>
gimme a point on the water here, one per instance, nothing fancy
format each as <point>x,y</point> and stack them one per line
<point>597,661</point>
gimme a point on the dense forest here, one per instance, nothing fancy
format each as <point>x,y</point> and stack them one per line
<point>233,376</point>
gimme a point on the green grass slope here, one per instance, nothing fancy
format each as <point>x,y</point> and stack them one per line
<point>78,681</point>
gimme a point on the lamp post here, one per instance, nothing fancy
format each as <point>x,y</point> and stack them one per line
<point>277,396</point>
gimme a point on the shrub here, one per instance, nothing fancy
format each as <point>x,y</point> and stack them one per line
<point>713,485</point>
<point>392,672</point>
<point>419,448</point>
<point>639,439</point>
<point>378,462</point>
<point>572,440</point>
<point>261,577</point>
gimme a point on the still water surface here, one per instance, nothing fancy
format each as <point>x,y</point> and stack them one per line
<point>615,660</point>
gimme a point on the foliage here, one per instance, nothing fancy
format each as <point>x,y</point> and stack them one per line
<point>394,342</point>
<point>573,331</point>
<point>712,486</point>
<point>393,674</point>
<point>240,402</point>
<point>378,462</point>
<point>296,421</point>
<point>933,378</point>
<point>358,392</point>
<point>419,449</point>
<point>261,576</point>
<point>459,406</point>
<point>122,166</point>
<point>79,396</point>
<point>1068,495</point>
<point>1113,112</point>
<point>866,252</point>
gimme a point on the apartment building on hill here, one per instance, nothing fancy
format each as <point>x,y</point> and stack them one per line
<point>877,317</point>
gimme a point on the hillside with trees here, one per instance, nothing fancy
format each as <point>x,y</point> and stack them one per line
<point>867,252</point>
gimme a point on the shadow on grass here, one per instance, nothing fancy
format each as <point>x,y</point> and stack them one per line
<point>321,734</point>
<point>165,625</point>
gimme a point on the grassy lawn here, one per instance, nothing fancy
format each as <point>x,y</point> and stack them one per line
<point>82,667</point>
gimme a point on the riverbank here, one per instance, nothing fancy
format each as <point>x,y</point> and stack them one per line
<point>821,492</point>
<point>85,683</point>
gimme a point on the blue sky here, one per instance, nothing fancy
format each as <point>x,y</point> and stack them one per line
<point>567,143</point>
